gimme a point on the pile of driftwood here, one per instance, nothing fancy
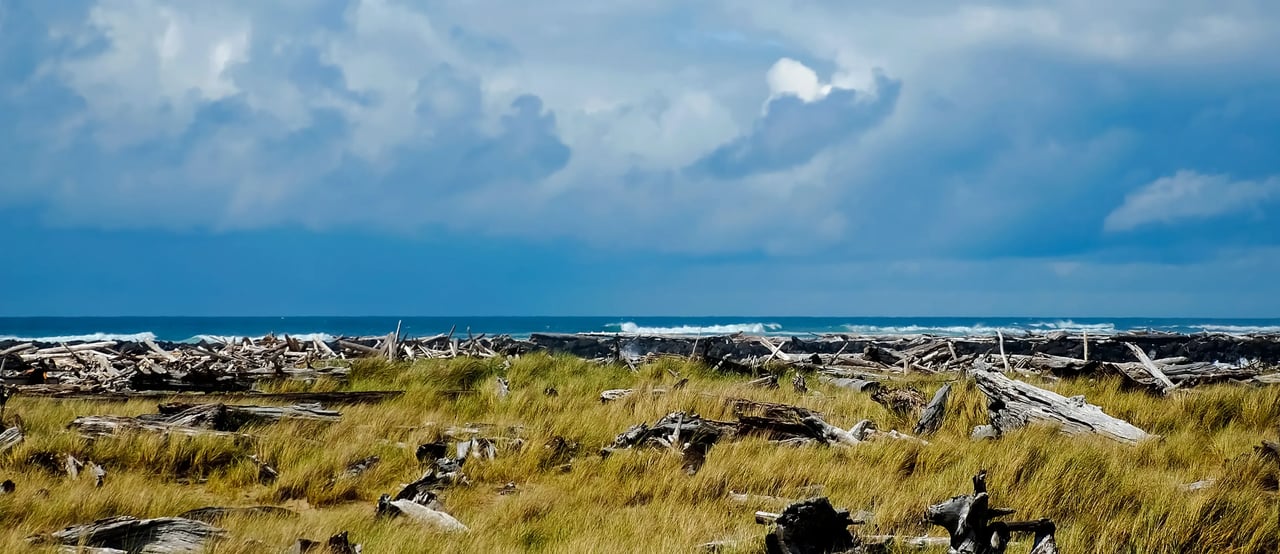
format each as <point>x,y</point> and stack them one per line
<point>1160,362</point>
<point>781,424</point>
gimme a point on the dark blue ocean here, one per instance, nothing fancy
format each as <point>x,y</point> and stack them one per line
<point>191,329</point>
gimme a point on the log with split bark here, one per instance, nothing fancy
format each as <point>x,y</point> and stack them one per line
<point>1013,404</point>
<point>129,534</point>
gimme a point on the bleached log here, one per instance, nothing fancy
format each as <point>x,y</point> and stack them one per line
<point>162,352</point>
<point>614,394</point>
<point>143,536</point>
<point>830,433</point>
<point>1014,404</point>
<point>10,438</point>
<point>860,385</point>
<point>436,519</point>
<point>1151,368</point>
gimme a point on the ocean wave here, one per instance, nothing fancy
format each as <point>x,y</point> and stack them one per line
<point>88,337</point>
<point>952,330</point>
<point>631,328</point>
<point>1068,325</point>
<point>224,339</point>
<point>1238,329</point>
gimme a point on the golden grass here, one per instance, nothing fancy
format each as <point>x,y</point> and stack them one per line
<point>1105,497</point>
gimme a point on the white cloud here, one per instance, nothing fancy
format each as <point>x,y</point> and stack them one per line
<point>790,77</point>
<point>1188,195</point>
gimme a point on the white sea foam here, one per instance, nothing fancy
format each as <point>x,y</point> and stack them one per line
<point>1068,325</point>
<point>88,337</point>
<point>1239,329</point>
<point>224,339</point>
<point>950,330</point>
<point>631,328</point>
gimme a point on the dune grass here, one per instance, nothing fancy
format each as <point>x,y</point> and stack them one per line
<point>1105,497</point>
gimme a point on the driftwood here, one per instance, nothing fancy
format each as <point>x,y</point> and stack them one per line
<point>144,536</point>
<point>430,517</point>
<point>218,366</point>
<point>9,438</point>
<point>191,420</point>
<point>931,419</point>
<point>811,527</point>
<point>215,514</point>
<point>1151,368</point>
<point>968,519</point>
<point>100,394</point>
<point>337,544</point>
<point>1013,404</point>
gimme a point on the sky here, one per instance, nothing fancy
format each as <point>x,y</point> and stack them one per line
<point>656,157</point>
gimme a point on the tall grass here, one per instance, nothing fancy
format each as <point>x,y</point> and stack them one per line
<point>1105,497</point>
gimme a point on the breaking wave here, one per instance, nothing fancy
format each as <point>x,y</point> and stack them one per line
<point>980,329</point>
<point>223,339</point>
<point>1240,329</point>
<point>631,328</point>
<point>88,337</point>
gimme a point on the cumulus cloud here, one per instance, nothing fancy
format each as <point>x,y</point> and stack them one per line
<point>641,124</point>
<point>789,76</point>
<point>802,118</point>
<point>1188,195</point>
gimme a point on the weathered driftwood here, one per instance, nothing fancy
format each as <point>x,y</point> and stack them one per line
<point>100,394</point>
<point>143,536</point>
<point>860,385</point>
<point>811,527</point>
<point>231,417</point>
<point>191,420</point>
<point>430,517</point>
<point>1013,404</point>
<point>934,412</point>
<point>337,544</point>
<point>969,520</point>
<point>215,514</point>
<point>9,438</point>
<point>1151,368</point>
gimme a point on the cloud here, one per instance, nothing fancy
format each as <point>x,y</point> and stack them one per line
<point>789,76</point>
<point>1014,131</point>
<point>1188,195</point>
<point>802,118</point>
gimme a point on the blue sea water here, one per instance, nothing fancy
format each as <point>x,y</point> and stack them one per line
<point>192,329</point>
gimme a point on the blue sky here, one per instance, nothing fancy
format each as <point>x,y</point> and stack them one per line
<point>735,157</point>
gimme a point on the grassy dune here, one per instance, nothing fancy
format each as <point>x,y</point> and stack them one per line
<point>1105,497</point>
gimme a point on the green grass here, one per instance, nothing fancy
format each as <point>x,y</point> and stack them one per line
<point>1105,497</point>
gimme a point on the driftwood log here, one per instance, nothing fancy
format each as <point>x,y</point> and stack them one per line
<point>969,520</point>
<point>931,419</point>
<point>9,438</point>
<point>215,514</point>
<point>166,535</point>
<point>1013,404</point>
<point>427,516</point>
<point>811,527</point>
<point>198,419</point>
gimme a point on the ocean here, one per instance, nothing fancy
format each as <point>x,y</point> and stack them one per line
<point>194,329</point>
